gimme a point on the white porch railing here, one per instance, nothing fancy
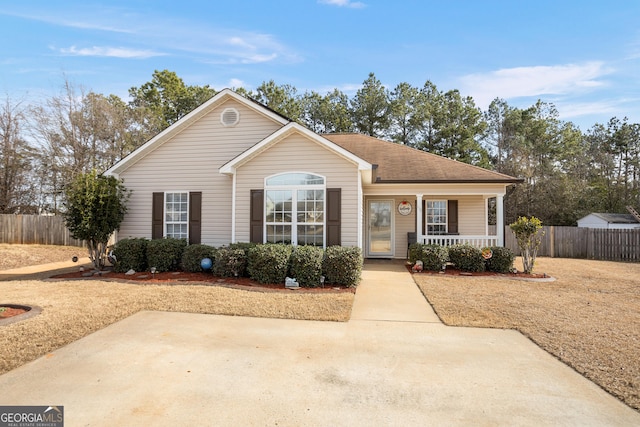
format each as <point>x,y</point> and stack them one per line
<point>448,240</point>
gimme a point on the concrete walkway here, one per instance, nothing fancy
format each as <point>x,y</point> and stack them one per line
<point>43,271</point>
<point>388,293</point>
<point>397,367</point>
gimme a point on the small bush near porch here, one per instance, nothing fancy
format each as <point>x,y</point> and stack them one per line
<point>463,257</point>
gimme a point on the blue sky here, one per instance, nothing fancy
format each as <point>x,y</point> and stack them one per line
<point>584,56</point>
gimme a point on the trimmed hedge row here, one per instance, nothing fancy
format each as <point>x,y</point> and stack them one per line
<point>463,257</point>
<point>268,263</point>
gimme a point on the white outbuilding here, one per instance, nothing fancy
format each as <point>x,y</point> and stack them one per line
<point>612,221</point>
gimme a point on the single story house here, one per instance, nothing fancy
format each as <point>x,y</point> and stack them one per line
<point>235,171</point>
<point>612,221</point>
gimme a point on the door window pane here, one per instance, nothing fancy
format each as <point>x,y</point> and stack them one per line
<point>380,227</point>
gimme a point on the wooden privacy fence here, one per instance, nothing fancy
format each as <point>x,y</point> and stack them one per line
<point>36,229</point>
<point>589,243</point>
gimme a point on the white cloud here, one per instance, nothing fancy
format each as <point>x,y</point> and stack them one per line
<point>228,47</point>
<point>236,83</point>
<point>344,3</point>
<point>116,52</point>
<point>203,40</point>
<point>534,81</point>
<point>577,109</point>
<point>54,19</point>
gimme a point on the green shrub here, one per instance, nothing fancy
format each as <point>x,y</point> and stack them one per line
<point>433,257</point>
<point>245,246</point>
<point>230,262</point>
<point>415,252</point>
<point>306,265</point>
<point>269,263</point>
<point>130,254</point>
<point>165,254</point>
<point>466,257</point>
<point>501,260</point>
<point>342,265</point>
<point>529,233</point>
<point>194,254</point>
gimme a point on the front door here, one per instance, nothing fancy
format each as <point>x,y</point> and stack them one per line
<point>380,230</point>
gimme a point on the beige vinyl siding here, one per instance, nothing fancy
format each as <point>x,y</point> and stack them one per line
<point>472,217</point>
<point>190,162</point>
<point>296,153</point>
<point>404,224</point>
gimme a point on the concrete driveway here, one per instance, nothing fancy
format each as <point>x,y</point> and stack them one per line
<point>401,368</point>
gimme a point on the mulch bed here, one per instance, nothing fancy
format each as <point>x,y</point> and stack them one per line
<point>183,277</point>
<point>10,311</point>
<point>451,271</point>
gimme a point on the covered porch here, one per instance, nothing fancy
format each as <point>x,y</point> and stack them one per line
<point>426,233</point>
<point>442,217</point>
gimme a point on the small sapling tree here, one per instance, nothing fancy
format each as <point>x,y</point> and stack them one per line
<point>94,208</point>
<point>529,236</point>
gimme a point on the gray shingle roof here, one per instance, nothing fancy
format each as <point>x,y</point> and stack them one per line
<point>615,218</point>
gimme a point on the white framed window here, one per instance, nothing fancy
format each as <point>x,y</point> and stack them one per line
<point>176,215</point>
<point>436,220</point>
<point>295,209</point>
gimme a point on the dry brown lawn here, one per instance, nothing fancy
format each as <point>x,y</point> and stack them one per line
<point>589,318</point>
<point>16,256</point>
<point>73,309</point>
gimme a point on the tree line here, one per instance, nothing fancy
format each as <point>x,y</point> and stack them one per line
<point>567,172</point>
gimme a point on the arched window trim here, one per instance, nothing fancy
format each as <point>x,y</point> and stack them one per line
<point>282,174</point>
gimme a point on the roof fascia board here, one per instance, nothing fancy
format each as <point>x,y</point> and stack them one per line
<point>451,181</point>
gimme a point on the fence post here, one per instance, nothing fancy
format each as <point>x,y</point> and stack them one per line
<point>552,242</point>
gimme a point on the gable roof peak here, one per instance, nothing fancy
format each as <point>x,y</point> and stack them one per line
<point>206,107</point>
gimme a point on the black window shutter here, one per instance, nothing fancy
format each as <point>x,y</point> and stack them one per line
<point>256,220</point>
<point>334,216</point>
<point>195,215</point>
<point>157,216</point>
<point>452,216</point>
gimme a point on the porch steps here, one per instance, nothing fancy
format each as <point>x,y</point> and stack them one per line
<point>634,212</point>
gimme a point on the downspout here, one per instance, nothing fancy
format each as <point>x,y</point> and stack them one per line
<point>233,208</point>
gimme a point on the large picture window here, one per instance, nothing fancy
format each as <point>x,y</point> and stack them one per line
<point>295,209</point>
<point>176,215</point>
<point>436,217</point>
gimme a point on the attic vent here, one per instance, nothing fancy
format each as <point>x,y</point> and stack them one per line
<point>230,117</point>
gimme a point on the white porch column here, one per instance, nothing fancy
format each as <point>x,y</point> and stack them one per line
<point>500,219</point>
<point>419,215</point>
